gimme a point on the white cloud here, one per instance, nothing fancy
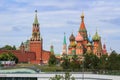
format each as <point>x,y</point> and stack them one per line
<point>19,14</point>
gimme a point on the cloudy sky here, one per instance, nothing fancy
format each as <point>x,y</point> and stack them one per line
<point>57,17</point>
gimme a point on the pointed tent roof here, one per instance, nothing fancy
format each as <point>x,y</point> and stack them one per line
<point>36,19</point>
<point>82,25</point>
<point>64,41</point>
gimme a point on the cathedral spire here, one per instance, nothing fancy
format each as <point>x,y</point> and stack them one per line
<point>82,29</point>
<point>36,19</point>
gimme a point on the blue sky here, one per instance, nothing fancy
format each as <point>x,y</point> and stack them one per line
<point>57,17</point>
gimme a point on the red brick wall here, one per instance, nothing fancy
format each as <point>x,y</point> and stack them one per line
<point>22,57</point>
<point>45,56</point>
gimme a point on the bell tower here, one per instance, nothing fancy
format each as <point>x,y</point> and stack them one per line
<point>36,41</point>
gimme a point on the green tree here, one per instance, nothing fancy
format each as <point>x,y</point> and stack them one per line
<point>8,47</point>
<point>65,62</point>
<point>91,61</point>
<point>75,63</point>
<point>114,63</point>
<point>52,60</point>
<point>14,48</point>
<point>103,64</point>
<point>8,57</point>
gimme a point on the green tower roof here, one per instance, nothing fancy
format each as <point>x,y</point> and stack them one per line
<point>36,19</point>
<point>64,41</point>
<point>52,49</point>
<point>96,37</point>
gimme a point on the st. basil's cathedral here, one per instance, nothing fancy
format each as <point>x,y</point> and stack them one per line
<point>83,43</point>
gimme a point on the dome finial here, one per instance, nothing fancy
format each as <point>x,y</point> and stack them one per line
<point>82,16</point>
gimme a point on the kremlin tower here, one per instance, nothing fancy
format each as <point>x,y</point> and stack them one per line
<point>36,40</point>
<point>36,43</point>
<point>64,48</point>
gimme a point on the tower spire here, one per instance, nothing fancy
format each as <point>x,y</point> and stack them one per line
<point>52,49</point>
<point>36,19</point>
<point>64,49</point>
<point>64,41</point>
<point>36,30</point>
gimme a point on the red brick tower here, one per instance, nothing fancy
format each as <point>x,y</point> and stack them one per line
<point>36,41</point>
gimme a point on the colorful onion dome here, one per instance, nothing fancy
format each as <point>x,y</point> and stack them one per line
<point>72,38</point>
<point>89,44</point>
<point>73,44</point>
<point>79,37</point>
<point>96,37</point>
<point>90,39</point>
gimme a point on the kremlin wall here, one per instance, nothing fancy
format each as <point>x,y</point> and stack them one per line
<point>32,51</point>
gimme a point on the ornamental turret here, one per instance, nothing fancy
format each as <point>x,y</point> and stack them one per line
<point>71,48</point>
<point>104,49</point>
<point>97,45</point>
<point>52,50</point>
<point>64,48</point>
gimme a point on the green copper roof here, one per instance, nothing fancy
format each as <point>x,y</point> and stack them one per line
<point>64,41</point>
<point>96,37</point>
<point>36,19</point>
<point>52,49</point>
